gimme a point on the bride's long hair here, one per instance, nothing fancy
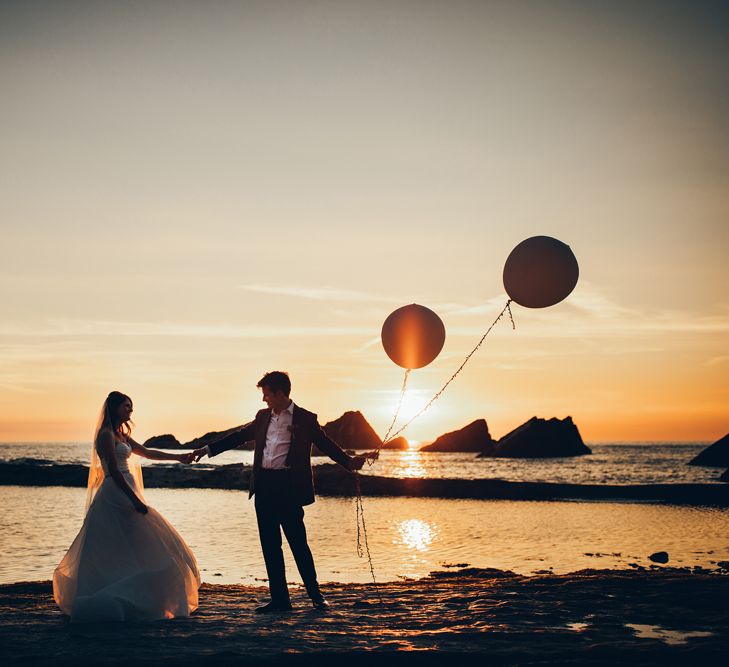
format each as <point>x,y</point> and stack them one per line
<point>109,418</point>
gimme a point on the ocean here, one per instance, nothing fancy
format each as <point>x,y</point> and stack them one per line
<point>408,537</point>
<point>610,463</point>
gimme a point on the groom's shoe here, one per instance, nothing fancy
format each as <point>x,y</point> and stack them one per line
<point>320,602</point>
<point>272,607</point>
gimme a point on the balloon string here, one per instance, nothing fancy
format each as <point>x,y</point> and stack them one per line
<point>371,457</point>
<point>363,546</point>
<point>506,309</point>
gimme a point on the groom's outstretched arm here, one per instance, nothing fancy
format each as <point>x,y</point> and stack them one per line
<point>230,441</point>
<point>334,451</point>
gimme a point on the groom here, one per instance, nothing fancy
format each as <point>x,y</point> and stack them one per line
<point>282,482</point>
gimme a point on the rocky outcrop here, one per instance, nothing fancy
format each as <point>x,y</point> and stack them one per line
<point>400,443</point>
<point>472,438</point>
<point>351,431</point>
<point>541,438</point>
<point>167,441</point>
<point>217,435</point>
<point>333,480</point>
<point>716,455</point>
<point>659,557</point>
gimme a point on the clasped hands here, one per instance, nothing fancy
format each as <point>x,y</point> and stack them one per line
<point>193,456</point>
<point>187,457</point>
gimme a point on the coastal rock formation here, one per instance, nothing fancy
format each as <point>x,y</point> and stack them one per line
<point>472,438</point>
<point>351,431</point>
<point>541,438</point>
<point>333,480</point>
<point>166,441</point>
<point>217,435</point>
<point>400,443</point>
<point>659,557</point>
<point>716,455</point>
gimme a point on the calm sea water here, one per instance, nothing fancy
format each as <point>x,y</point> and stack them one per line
<point>620,463</point>
<point>409,537</point>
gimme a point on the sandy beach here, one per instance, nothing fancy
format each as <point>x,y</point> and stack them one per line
<point>645,617</point>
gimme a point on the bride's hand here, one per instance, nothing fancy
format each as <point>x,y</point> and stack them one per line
<point>187,457</point>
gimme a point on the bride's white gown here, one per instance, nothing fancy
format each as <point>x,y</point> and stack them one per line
<point>124,565</point>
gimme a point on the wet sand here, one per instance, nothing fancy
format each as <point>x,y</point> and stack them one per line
<point>647,617</point>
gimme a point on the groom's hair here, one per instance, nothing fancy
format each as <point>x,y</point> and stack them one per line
<point>276,381</point>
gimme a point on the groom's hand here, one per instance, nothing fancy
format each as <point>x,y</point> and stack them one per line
<point>199,453</point>
<point>356,462</point>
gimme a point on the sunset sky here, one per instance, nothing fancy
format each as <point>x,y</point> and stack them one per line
<point>195,193</point>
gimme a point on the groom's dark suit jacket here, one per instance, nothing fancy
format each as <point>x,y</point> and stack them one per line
<point>305,432</point>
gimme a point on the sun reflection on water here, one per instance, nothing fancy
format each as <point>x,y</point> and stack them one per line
<point>416,534</point>
<point>411,464</point>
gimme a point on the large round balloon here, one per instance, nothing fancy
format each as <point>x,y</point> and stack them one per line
<point>413,336</point>
<point>540,272</point>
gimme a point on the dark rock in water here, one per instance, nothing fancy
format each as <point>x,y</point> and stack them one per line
<point>485,572</point>
<point>167,441</point>
<point>399,443</point>
<point>541,438</point>
<point>218,435</point>
<point>725,476</point>
<point>659,557</point>
<point>351,431</point>
<point>472,438</point>
<point>716,455</point>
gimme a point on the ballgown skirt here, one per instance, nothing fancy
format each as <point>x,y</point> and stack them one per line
<point>124,565</point>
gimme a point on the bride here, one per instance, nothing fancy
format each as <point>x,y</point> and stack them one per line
<point>127,562</point>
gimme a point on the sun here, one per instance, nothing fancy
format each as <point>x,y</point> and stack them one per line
<point>413,402</point>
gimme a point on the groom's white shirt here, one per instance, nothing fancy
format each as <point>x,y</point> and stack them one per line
<point>278,439</point>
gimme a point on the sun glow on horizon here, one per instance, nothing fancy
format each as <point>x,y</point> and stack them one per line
<point>412,404</point>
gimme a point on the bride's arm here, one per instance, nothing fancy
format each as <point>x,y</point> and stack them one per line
<point>157,455</point>
<point>106,451</point>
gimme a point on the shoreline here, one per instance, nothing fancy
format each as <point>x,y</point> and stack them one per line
<point>332,480</point>
<point>588,617</point>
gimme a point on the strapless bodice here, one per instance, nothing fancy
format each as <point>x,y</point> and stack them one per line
<point>122,452</point>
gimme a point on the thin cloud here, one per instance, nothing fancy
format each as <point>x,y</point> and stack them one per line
<point>589,312</point>
<point>341,295</point>
<point>566,326</point>
<point>320,293</point>
<point>370,343</point>
<point>491,305</point>
<point>65,327</point>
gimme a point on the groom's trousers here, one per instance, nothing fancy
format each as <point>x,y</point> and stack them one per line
<point>277,508</point>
